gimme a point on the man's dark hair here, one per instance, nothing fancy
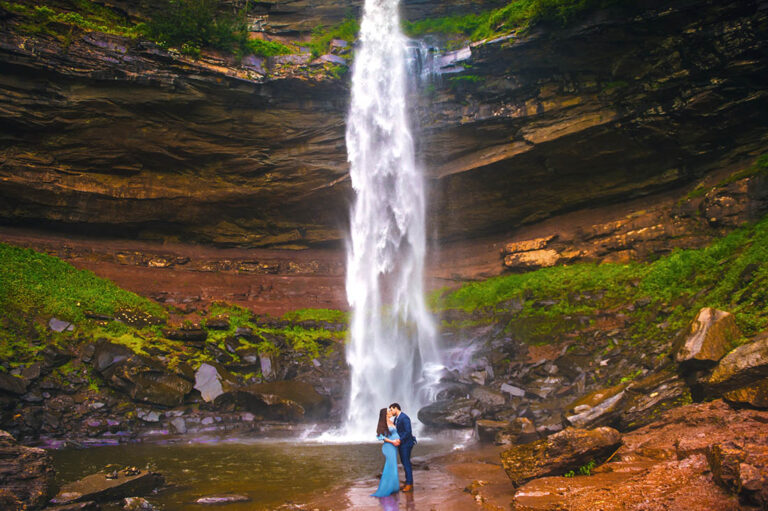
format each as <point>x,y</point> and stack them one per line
<point>396,405</point>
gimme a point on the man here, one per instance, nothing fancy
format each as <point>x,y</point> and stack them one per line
<point>405,444</point>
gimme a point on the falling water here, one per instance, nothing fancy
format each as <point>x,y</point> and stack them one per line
<point>392,350</point>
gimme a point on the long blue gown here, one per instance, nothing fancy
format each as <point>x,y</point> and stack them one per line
<point>390,482</point>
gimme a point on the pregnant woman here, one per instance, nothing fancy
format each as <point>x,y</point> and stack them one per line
<point>387,432</point>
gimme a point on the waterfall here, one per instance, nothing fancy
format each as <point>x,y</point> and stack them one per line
<point>392,350</point>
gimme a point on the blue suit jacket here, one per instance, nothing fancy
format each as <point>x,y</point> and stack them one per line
<point>403,425</point>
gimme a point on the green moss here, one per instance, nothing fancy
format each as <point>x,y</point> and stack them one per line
<point>760,167</point>
<point>325,315</point>
<point>262,48</point>
<point>516,15</point>
<point>59,18</point>
<point>36,284</point>
<point>322,36</point>
<point>730,274</point>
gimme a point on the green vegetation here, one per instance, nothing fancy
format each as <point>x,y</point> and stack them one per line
<point>584,470</point>
<point>516,15</point>
<point>61,17</point>
<point>188,25</point>
<point>262,48</point>
<point>31,282</point>
<point>731,275</point>
<point>631,376</point>
<point>326,315</point>
<point>758,168</point>
<point>322,36</point>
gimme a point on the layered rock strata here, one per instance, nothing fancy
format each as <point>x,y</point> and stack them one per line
<point>119,136</point>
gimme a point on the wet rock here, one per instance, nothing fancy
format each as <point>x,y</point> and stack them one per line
<point>267,371</point>
<point>661,466</point>
<point>755,394</point>
<point>456,413</point>
<point>532,260</point>
<point>222,499</point>
<point>148,415</point>
<point>267,406</point>
<point>77,506</point>
<point>741,367</point>
<point>26,475</point>
<point>179,425</point>
<point>12,384</point>
<point>137,504</point>
<point>709,339</point>
<point>32,372</point>
<point>219,323</point>
<point>244,331</point>
<point>186,335</point>
<point>142,378</point>
<point>559,453</point>
<point>212,380</point>
<point>98,488</point>
<point>58,325</point>
<point>741,468</point>
<point>54,356</point>
<point>512,390</point>
<point>486,430</point>
<point>451,390</point>
<point>488,397</point>
<point>599,408</point>
<point>519,431</point>
<point>106,354</point>
<point>648,397</point>
<point>315,405</point>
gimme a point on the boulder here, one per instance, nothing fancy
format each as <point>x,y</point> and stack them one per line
<point>58,325</point>
<point>216,500</point>
<point>212,380</point>
<point>709,338</point>
<point>754,394</point>
<point>741,468</point>
<point>96,487</point>
<point>532,260</point>
<point>193,335</point>
<point>598,408</point>
<point>512,390</point>
<point>648,397</point>
<point>486,430</point>
<point>267,406</point>
<point>26,475</point>
<point>558,453</point>
<point>489,398</point>
<point>12,384</point>
<point>315,405</point>
<point>519,431</point>
<point>456,413</point>
<point>219,323</point>
<point>137,504</point>
<point>741,367</point>
<point>142,378</point>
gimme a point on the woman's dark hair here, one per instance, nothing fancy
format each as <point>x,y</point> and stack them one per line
<point>382,428</point>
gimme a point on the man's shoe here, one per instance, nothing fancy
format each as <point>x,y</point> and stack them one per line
<point>407,488</point>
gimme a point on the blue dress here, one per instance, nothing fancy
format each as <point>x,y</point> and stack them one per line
<point>390,482</point>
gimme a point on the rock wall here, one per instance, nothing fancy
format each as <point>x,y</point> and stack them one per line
<point>109,135</point>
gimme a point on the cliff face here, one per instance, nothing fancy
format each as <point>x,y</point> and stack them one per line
<point>118,136</point>
<point>615,108</point>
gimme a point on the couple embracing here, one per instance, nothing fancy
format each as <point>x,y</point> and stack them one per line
<point>394,429</point>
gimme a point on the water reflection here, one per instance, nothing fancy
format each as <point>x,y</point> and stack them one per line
<point>270,473</point>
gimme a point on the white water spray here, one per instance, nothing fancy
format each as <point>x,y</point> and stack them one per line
<point>392,351</point>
